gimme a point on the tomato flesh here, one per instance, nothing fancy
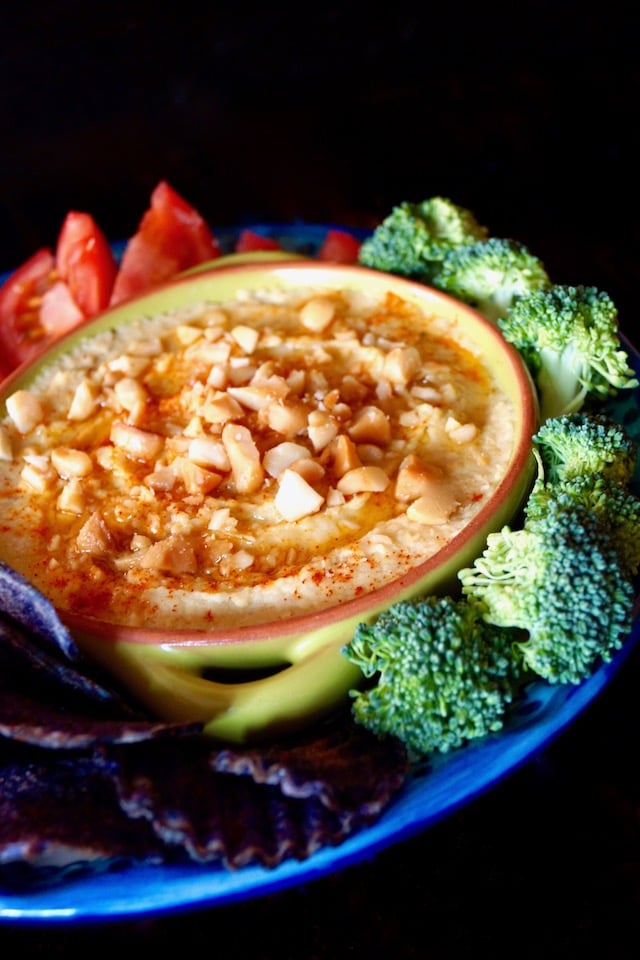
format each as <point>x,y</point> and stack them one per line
<point>172,236</point>
<point>339,246</point>
<point>86,263</point>
<point>249,240</point>
<point>59,311</point>
<point>21,294</point>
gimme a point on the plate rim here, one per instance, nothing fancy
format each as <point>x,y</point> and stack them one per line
<point>165,889</point>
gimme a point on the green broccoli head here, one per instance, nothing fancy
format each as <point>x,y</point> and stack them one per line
<point>569,339</point>
<point>561,580</point>
<point>615,507</point>
<point>444,675</point>
<point>415,237</point>
<point>584,443</point>
<point>491,274</point>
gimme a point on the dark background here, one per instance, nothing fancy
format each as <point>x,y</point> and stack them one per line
<point>527,114</point>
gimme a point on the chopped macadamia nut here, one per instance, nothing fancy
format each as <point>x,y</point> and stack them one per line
<point>94,537</point>
<point>312,470</point>
<point>84,402</point>
<point>322,429</point>
<point>435,507</point>
<point>38,475</point>
<point>254,397</point>
<point>416,478</point>
<point>196,479</point>
<point>401,365</point>
<point>71,499</point>
<point>317,314</point>
<point>281,456</point>
<point>25,410</point>
<point>370,425</point>
<point>295,497</point>
<point>286,417</point>
<point>137,443</point>
<point>244,458</point>
<point>221,408</point>
<point>186,334</point>
<point>129,366</point>
<point>130,393</point>
<point>246,337</point>
<point>461,432</point>
<point>68,462</point>
<point>209,452</point>
<point>363,479</point>
<point>344,455</point>
<point>173,555</point>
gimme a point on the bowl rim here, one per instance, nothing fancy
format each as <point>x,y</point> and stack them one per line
<point>521,459</point>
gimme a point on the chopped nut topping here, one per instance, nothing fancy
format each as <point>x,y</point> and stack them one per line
<point>173,555</point>
<point>344,455</point>
<point>135,442</point>
<point>295,497</point>
<point>416,478</point>
<point>25,410</point>
<point>401,365</point>
<point>281,456</point>
<point>221,409</point>
<point>237,441</point>
<point>287,417</point>
<point>94,536</point>
<point>363,479</point>
<point>370,425</point>
<point>435,507</point>
<point>85,401</point>
<point>317,314</point>
<point>246,337</point>
<point>322,428</point>
<point>244,458</point>
<point>71,499</point>
<point>71,463</point>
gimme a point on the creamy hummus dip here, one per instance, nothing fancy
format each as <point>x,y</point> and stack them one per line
<point>236,463</point>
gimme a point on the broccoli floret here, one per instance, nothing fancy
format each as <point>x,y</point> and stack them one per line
<point>568,337</point>
<point>560,579</point>
<point>584,443</point>
<point>614,506</point>
<point>445,675</point>
<point>491,274</point>
<point>415,237</point>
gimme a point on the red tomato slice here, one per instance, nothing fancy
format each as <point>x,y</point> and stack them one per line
<point>59,311</point>
<point>339,247</point>
<point>85,261</point>
<point>249,240</point>
<point>21,334</point>
<point>172,237</point>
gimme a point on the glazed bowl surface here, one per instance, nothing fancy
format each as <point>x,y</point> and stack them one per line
<point>265,674</point>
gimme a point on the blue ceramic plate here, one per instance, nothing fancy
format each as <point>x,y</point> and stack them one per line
<point>449,782</point>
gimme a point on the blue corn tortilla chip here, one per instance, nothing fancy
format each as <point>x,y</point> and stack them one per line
<point>142,790</point>
<point>20,601</point>
<point>238,808</point>
<point>40,842</point>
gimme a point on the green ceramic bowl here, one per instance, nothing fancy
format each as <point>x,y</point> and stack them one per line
<point>250,682</point>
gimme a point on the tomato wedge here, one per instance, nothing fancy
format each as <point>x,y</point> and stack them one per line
<point>59,312</point>
<point>21,334</point>
<point>172,236</point>
<point>249,240</point>
<point>86,263</point>
<point>339,246</point>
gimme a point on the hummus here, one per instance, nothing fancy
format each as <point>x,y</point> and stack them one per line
<point>248,461</point>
